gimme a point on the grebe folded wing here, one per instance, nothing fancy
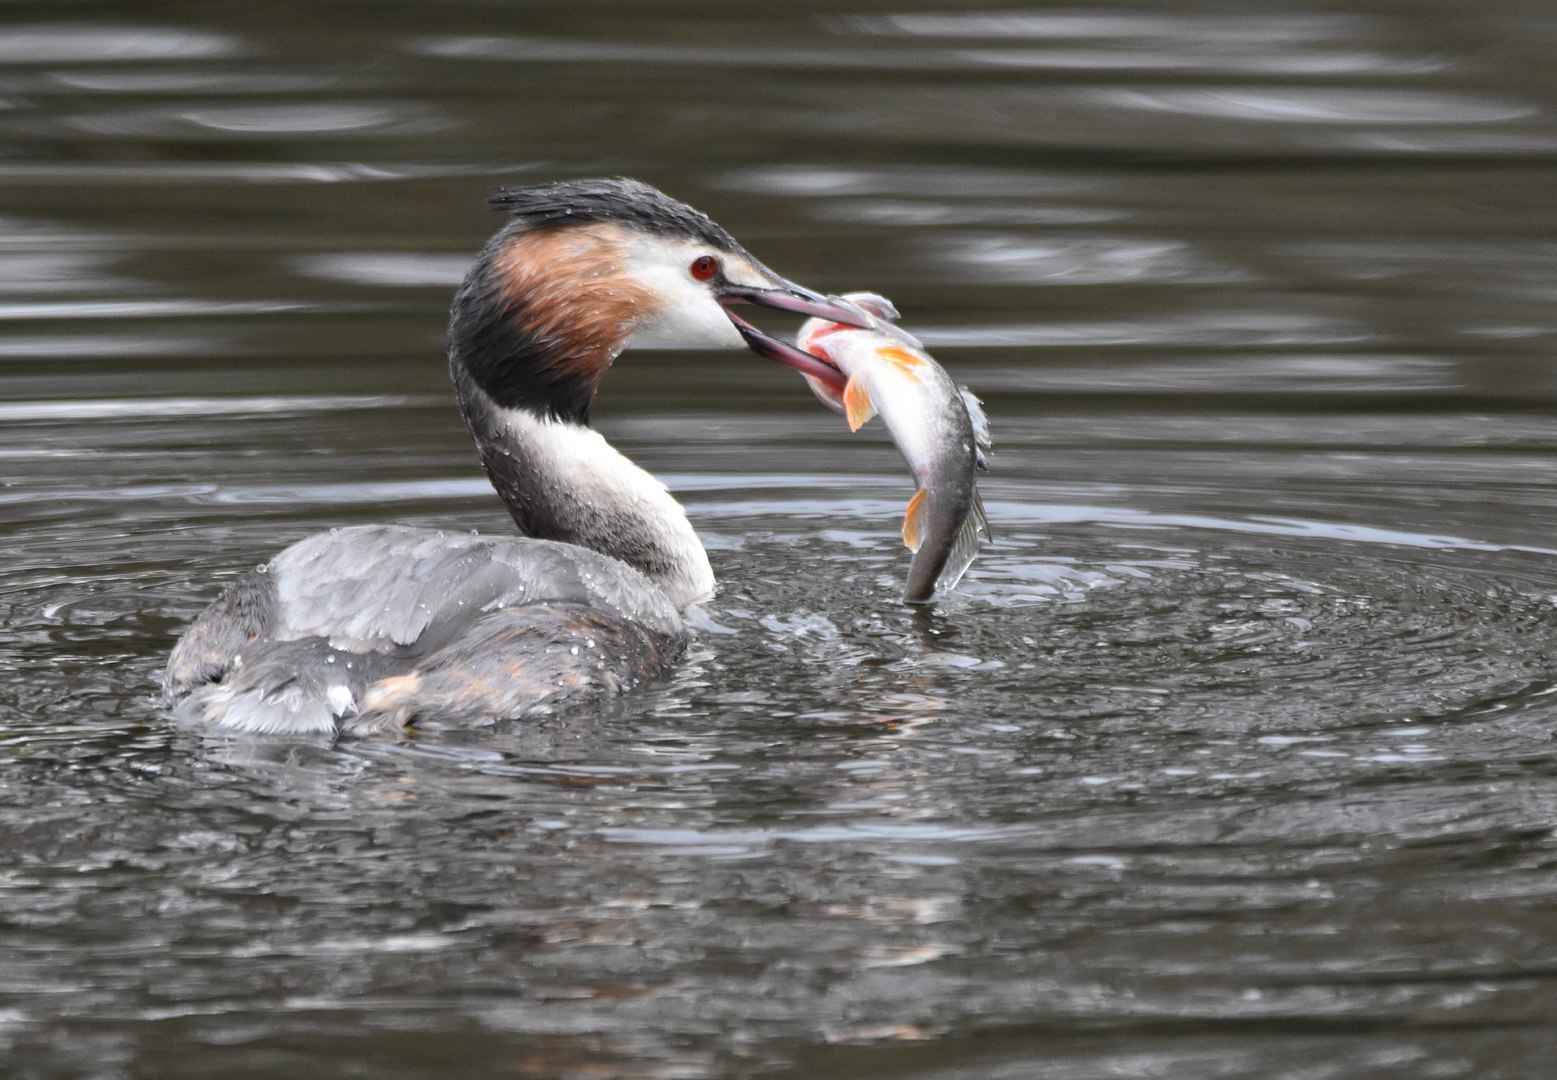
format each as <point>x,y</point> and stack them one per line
<point>378,586</point>
<point>377,626</point>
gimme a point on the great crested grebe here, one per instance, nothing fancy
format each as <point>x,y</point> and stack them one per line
<point>377,627</point>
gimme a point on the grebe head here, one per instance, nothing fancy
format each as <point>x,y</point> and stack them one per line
<point>586,268</point>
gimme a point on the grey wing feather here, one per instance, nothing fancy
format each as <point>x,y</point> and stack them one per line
<point>516,662</point>
<point>208,649</point>
<point>376,587</point>
<point>300,643</point>
<point>286,687</point>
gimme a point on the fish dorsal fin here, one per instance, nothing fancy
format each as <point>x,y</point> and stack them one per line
<point>857,405</point>
<point>980,422</point>
<point>914,519</point>
<point>874,304</point>
<point>965,548</point>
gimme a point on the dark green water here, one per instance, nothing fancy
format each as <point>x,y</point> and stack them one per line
<point>1232,758</point>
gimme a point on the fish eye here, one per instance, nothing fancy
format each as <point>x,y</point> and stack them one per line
<point>704,267</point>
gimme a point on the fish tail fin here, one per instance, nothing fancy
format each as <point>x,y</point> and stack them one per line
<point>965,547</point>
<point>857,404</point>
<point>914,519</point>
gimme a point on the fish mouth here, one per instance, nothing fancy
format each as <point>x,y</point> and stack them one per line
<point>787,296</point>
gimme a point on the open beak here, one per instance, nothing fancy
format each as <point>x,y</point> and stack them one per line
<point>802,301</point>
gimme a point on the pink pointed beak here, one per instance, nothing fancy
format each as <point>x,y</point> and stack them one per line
<point>801,301</point>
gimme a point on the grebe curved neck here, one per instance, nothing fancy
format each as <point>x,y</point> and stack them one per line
<point>551,301</point>
<point>561,480</point>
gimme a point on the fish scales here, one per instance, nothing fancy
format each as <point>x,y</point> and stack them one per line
<point>938,427</point>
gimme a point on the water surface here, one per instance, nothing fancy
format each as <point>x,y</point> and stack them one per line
<point>1232,757</point>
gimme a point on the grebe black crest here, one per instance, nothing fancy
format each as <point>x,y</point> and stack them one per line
<point>376,628</point>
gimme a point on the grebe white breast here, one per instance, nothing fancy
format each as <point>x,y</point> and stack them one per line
<point>375,628</point>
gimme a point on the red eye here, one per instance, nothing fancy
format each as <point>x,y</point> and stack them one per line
<point>704,267</point>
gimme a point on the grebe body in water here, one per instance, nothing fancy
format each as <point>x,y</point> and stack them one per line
<point>374,628</point>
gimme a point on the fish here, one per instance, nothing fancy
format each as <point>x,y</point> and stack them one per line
<point>938,426</point>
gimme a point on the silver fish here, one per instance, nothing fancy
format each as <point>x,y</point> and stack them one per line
<point>938,426</point>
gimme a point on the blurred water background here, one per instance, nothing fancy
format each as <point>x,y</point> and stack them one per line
<point>1232,758</point>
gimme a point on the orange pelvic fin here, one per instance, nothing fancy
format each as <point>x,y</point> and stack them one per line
<point>857,405</point>
<point>914,519</point>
